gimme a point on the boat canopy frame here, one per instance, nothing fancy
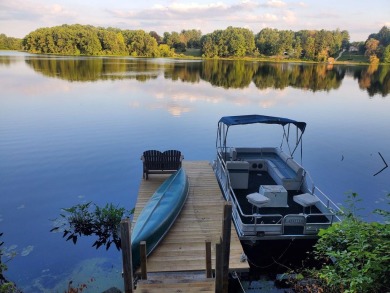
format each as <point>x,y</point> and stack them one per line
<point>225,122</point>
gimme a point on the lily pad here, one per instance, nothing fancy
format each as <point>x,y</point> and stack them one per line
<point>27,250</point>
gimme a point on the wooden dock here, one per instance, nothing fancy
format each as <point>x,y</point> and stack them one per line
<point>182,251</point>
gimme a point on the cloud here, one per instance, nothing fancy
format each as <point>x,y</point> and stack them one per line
<point>205,17</point>
<point>289,17</point>
<point>16,10</point>
<point>276,3</point>
<point>32,11</point>
<point>19,17</point>
<point>178,11</point>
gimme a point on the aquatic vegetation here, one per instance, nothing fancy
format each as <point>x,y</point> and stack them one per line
<point>27,250</point>
<point>89,219</point>
<point>5,285</point>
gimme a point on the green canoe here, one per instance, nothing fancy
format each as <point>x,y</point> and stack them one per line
<point>159,213</point>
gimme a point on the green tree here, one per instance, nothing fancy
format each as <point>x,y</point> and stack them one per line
<point>323,41</point>
<point>139,43</point>
<point>384,36</point>
<point>231,42</point>
<point>267,40</point>
<point>309,48</point>
<point>209,48</point>
<point>87,41</point>
<point>171,39</point>
<point>9,43</point>
<point>112,43</point>
<point>166,51</point>
<point>191,38</point>
<point>156,36</point>
<point>297,48</point>
<point>345,39</point>
<point>285,44</point>
<point>386,54</point>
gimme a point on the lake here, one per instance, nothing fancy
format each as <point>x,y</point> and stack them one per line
<point>73,129</point>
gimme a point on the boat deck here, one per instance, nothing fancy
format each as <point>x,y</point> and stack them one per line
<point>183,248</point>
<point>257,178</point>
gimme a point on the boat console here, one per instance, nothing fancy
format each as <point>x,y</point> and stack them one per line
<point>282,168</point>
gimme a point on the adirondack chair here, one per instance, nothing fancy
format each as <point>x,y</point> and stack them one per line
<point>156,162</point>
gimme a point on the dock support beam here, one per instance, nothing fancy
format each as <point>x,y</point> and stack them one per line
<point>226,236</point>
<point>218,267</point>
<point>126,255</point>
<point>208,260</point>
<point>223,252</point>
<point>144,273</point>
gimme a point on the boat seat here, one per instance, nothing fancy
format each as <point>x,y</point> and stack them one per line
<point>257,199</point>
<point>306,200</point>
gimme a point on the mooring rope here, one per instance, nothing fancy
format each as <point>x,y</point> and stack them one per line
<point>235,276</point>
<point>275,261</point>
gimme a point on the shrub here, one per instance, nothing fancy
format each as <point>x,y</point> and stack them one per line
<point>354,255</point>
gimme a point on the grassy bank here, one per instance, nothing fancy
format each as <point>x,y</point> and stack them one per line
<point>353,57</point>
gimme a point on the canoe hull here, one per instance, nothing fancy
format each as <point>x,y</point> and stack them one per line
<point>159,214</point>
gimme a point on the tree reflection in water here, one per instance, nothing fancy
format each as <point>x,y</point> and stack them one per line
<point>221,73</point>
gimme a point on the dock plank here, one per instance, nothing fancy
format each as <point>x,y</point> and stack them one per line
<point>183,248</point>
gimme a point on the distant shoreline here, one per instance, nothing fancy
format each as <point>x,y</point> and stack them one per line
<point>192,57</point>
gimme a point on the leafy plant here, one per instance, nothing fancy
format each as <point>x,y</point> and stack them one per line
<point>5,285</point>
<point>89,219</point>
<point>354,256</point>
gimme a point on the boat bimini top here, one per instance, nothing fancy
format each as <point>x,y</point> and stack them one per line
<point>225,122</point>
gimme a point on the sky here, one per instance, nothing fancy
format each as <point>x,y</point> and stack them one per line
<point>359,18</point>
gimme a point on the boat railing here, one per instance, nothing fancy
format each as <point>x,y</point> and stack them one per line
<point>222,171</point>
<point>334,211</point>
<point>265,221</point>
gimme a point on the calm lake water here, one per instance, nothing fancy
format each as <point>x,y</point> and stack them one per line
<point>72,130</point>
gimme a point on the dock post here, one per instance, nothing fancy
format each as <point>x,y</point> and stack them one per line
<point>218,267</point>
<point>126,255</point>
<point>144,273</point>
<point>208,260</point>
<point>226,235</point>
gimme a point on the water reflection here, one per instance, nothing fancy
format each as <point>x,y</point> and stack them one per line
<point>6,60</point>
<point>374,79</point>
<point>308,76</point>
<point>219,73</point>
<point>69,135</point>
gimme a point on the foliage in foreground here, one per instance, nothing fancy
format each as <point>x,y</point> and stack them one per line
<point>5,285</point>
<point>89,219</point>
<point>354,256</point>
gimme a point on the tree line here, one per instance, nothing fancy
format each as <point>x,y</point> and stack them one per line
<point>10,43</point>
<point>378,46</point>
<point>317,45</point>
<point>89,40</point>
